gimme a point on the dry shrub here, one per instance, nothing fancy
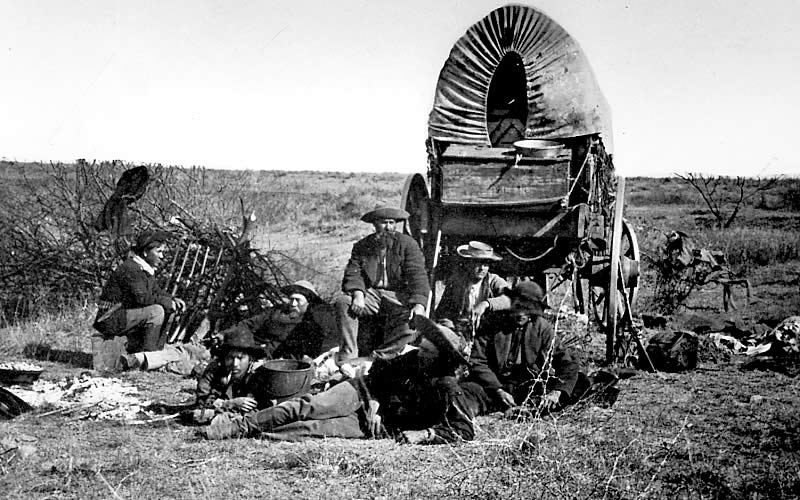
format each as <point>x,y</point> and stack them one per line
<point>52,256</point>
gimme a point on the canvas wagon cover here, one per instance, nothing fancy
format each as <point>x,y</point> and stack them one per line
<point>563,97</point>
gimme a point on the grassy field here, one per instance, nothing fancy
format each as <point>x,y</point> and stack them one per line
<point>716,432</point>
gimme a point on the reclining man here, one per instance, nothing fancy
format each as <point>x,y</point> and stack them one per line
<point>384,277</point>
<point>472,290</point>
<point>131,303</point>
<point>288,331</point>
<point>514,354</point>
<point>232,380</point>
<point>413,397</point>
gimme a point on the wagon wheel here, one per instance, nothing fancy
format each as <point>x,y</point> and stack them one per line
<point>627,286</point>
<point>415,201</point>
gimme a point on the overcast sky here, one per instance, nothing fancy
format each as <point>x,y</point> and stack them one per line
<point>693,85</point>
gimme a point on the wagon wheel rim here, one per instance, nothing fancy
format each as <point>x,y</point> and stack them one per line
<point>630,257</point>
<point>415,201</point>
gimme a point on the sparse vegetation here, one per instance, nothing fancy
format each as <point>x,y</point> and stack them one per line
<point>726,196</point>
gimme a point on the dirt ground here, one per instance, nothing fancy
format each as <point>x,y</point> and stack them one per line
<point>719,431</point>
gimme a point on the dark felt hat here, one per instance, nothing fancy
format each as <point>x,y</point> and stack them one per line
<point>530,296</point>
<point>385,213</point>
<point>304,288</point>
<point>238,339</point>
<point>478,251</point>
<point>445,339</point>
<point>149,239</point>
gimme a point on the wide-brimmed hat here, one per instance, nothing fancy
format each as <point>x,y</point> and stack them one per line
<point>445,339</point>
<point>239,339</point>
<point>478,251</point>
<point>530,295</point>
<point>149,239</point>
<point>385,213</point>
<point>304,288</point>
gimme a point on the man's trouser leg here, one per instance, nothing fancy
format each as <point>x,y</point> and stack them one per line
<point>348,325</point>
<point>339,401</point>
<point>143,328</point>
<point>348,426</point>
<point>169,354</point>
<point>398,332</point>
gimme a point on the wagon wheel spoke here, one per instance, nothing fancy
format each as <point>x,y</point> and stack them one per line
<point>628,284</point>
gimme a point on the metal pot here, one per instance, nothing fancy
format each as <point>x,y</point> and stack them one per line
<point>286,378</point>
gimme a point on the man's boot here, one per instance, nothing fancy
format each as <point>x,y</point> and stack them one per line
<point>131,361</point>
<point>224,426</point>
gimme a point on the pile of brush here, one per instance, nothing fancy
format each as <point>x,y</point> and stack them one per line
<point>221,279</point>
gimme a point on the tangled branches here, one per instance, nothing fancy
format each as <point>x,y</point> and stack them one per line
<point>52,255</point>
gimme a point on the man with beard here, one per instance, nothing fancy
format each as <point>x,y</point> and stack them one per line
<point>288,331</point>
<point>131,303</point>
<point>414,398</point>
<point>385,277</point>
<point>472,290</point>
<point>517,357</point>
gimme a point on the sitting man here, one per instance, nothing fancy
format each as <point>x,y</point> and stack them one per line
<point>413,397</point>
<point>384,277</point>
<point>288,331</point>
<point>515,354</point>
<point>472,289</point>
<point>231,381</point>
<point>131,303</point>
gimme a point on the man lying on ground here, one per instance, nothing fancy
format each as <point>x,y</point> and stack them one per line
<point>131,303</point>
<point>413,397</point>
<point>232,381</point>
<point>289,330</point>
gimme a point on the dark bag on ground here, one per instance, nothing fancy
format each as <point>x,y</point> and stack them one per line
<point>673,351</point>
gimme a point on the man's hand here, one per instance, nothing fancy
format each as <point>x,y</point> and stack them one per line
<point>358,306</point>
<point>479,310</point>
<point>550,400</point>
<point>374,423</point>
<point>242,404</point>
<point>178,304</point>
<point>505,398</point>
<point>416,437</point>
<point>417,310</point>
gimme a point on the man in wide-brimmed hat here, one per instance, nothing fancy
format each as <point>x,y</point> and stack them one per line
<point>131,303</point>
<point>288,330</point>
<point>472,290</point>
<point>518,359</point>
<point>385,277</point>
<point>414,398</point>
<point>231,382</point>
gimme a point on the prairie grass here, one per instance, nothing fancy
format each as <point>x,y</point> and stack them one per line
<point>746,247</point>
<point>67,329</point>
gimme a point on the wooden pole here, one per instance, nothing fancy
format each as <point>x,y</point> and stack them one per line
<point>613,282</point>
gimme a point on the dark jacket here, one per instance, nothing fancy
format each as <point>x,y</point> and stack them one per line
<point>405,267</point>
<point>453,302</point>
<point>279,342</point>
<point>489,365</point>
<point>411,399</point>
<point>133,288</point>
<point>214,384</point>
